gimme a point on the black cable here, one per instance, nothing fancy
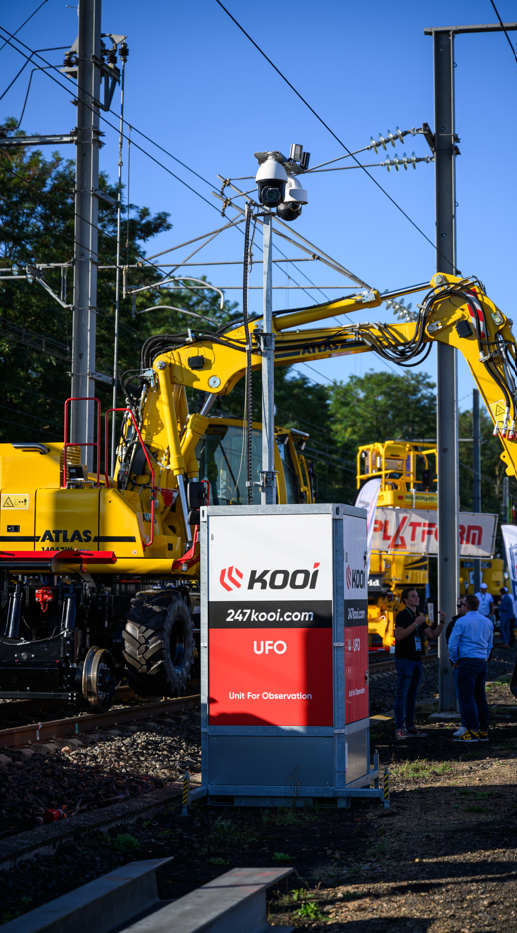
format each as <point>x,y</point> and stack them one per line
<point>249,385</point>
<point>149,139</point>
<point>25,23</point>
<point>117,129</point>
<point>504,30</point>
<point>327,127</point>
<point>32,391</point>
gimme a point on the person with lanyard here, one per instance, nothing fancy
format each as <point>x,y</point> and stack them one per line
<point>486,603</point>
<point>470,645</point>
<point>410,630</point>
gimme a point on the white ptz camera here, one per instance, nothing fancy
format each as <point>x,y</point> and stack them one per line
<point>271,178</point>
<point>277,183</point>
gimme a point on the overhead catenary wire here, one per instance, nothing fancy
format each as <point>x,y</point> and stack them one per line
<point>327,127</point>
<point>38,8</point>
<point>126,137</point>
<point>496,11</point>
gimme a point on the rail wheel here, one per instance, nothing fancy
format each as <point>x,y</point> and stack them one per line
<point>158,643</point>
<point>98,680</point>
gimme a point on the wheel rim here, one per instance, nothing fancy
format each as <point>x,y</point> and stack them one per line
<point>98,678</point>
<point>177,644</point>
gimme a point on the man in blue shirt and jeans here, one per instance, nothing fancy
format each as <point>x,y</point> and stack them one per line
<point>470,645</point>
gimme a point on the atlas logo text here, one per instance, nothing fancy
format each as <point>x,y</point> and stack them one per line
<point>54,535</point>
<point>281,579</point>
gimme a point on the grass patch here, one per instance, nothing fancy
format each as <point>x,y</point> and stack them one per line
<point>420,768</point>
<point>126,844</point>
<point>473,755</point>
<point>290,816</point>
<point>225,836</point>
<point>281,857</point>
<point>310,911</point>
<point>219,861</point>
<point>475,809</point>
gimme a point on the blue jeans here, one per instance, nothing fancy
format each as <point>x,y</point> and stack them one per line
<point>471,690</point>
<point>455,672</point>
<point>408,680</point>
<point>504,628</point>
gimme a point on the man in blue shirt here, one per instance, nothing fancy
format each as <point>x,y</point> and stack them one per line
<point>470,645</point>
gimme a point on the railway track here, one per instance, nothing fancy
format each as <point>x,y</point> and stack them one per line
<point>37,733</point>
<point>388,664</point>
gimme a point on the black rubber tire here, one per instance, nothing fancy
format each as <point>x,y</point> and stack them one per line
<point>159,643</point>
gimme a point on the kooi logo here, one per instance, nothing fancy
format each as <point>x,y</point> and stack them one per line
<point>271,579</point>
<point>355,579</point>
<point>228,575</point>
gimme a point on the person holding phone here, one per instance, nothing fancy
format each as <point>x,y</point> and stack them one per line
<point>410,630</point>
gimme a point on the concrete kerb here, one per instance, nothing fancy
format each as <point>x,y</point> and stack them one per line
<point>44,840</point>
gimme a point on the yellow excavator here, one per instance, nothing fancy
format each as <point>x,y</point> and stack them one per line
<point>100,573</point>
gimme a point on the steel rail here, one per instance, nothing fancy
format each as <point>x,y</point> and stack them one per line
<point>38,733</point>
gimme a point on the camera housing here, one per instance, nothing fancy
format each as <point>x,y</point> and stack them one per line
<point>294,196</point>
<point>271,178</point>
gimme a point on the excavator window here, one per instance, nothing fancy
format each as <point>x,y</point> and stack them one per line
<point>290,476</point>
<point>221,454</point>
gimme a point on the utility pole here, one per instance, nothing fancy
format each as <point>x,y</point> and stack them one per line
<point>86,214</point>
<point>446,372</point>
<point>476,474</point>
<point>123,55</point>
<point>505,510</point>
<point>268,494</point>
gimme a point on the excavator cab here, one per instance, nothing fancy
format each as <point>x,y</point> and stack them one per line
<point>221,455</point>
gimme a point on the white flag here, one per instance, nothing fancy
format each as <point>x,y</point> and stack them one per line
<point>510,543</point>
<point>367,499</point>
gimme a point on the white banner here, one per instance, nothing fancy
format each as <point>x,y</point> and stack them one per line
<point>367,499</point>
<point>510,543</point>
<point>415,531</point>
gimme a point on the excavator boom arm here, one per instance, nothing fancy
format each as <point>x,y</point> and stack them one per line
<point>455,311</point>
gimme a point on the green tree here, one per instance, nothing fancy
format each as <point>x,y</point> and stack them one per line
<point>380,406</point>
<point>37,225</point>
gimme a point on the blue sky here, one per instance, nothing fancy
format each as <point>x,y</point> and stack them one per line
<point>197,86</point>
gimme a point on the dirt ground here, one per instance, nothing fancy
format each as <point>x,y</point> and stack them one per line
<point>441,859</point>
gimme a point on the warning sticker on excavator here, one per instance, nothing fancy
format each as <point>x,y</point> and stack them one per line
<point>15,500</point>
<point>498,409</point>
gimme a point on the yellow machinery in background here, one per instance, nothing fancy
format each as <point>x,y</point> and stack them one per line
<point>99,576</point>
<point>407,470</point>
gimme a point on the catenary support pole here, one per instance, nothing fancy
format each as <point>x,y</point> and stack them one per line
<point>476,474</point>
<point>505,510</point>
<point>447,397</point>
<point>117,274</point>
<point>268,495</point>
<point>85,248</point>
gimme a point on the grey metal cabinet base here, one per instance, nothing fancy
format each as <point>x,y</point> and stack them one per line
<point>284,655</point>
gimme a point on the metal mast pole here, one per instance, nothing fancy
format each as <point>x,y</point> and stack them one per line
<point>268,495</point>
<point>476,474</point>
<point>117,279</point>
<point>85,249</point>
<point>447,397</point>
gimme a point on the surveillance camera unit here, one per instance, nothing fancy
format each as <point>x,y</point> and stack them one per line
<point>294,197</point>
<point>277,183</point>
<point>271,178</point>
